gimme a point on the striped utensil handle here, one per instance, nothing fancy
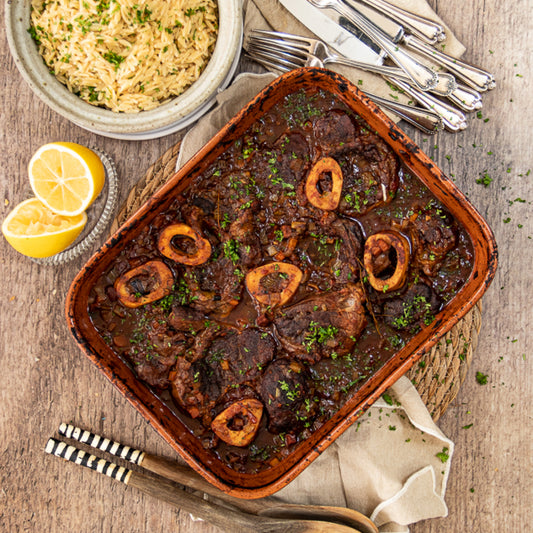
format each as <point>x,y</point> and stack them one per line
<point>160,466</point>
<point>96,441</point>
<point>75,455</point>
<point>226,519</point>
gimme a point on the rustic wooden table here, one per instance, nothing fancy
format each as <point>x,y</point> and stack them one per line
<point>46,379</point>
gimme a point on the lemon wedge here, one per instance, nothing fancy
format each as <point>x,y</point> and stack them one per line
<point>34,230</point>
<point>66,177</point>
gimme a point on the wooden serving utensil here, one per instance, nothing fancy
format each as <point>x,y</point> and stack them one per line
<point>227,519</point>
<point>265,507</point>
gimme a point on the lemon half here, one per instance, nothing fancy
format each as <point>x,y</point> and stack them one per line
<point>66,177</point>
<point>34,230</point>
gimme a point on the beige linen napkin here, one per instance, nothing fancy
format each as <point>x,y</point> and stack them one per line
<point>271,15</point>
<point>386,465</point>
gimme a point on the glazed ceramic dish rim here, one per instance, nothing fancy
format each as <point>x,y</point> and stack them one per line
<point>159,414</point>
<point>166,118</point>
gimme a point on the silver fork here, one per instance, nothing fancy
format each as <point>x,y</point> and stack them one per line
<point>293,51</point>
<point>297,44</point>
<point>424,119</point>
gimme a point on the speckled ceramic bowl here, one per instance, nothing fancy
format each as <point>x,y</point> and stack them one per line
<point>163,120</point>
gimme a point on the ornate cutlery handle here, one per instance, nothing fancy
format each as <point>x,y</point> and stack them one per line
<point>477,78</point>
<point>427,121</point>
<point>425,29</point>
<point>452,118</point>
<point>446,83</point>
<point>466,98</point>
<point>423,76</point>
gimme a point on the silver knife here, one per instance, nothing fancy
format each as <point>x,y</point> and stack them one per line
<point>333,34</point>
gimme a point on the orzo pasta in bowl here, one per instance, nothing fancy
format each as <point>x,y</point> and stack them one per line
<point>128,69</point>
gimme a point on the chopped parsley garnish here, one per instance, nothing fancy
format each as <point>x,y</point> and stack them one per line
<point>291,395</point>
<point>319,335</point>
<point>142,15</point>
<point>34,35</point>
<point>231,250</point>
<point>92,93</point>
<point>444,455</point>
<point>419,306</point>
<point>387,398</point>
<point>485,179</point>
<point>114,58</point>
<point>166,302</point>
<point>481,378</point>
<point>225,221</point>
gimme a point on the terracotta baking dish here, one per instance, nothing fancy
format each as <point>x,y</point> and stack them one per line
<point>162,416</point>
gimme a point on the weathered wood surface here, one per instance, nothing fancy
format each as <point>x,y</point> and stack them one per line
<point>46,380</point>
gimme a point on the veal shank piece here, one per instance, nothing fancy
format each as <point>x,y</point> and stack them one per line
<point>323,186</point>
<point>288,398</point>
<point>220,360</point>
<point>196,252</point>
<point>386,260</point>
<point>321,325</point>
<point>144,284</point>
<point>284,272</point>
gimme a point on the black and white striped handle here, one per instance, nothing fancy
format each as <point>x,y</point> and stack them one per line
<point>75,455</point>
<point>96,441</point>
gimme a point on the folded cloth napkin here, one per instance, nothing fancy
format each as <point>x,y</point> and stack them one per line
<point>271,15</point>
<point>392,464</point>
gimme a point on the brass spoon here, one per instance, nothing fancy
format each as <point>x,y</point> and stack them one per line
<point>227,519</point>
<point>186,476</point>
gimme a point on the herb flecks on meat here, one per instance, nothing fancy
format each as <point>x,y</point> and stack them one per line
<point>276,283</point>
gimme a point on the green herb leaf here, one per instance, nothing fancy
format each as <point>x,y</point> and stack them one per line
<point>387,398</point>
<point>481,378</point>
<point>114,58</point>
<point>444,455</point>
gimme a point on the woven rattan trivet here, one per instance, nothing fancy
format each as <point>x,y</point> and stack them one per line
<point>438,375</point>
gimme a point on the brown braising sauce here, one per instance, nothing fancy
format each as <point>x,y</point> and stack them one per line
<point>284,277</point>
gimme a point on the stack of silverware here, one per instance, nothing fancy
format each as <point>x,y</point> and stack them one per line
<point>367,33</point>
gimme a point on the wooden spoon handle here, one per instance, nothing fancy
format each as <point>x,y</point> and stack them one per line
<point>74,455</point>
<point>163,489</point>
<point>100,443</point>
<point>188,477</point>
<point>226,519</point>
<point>159,465</point>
